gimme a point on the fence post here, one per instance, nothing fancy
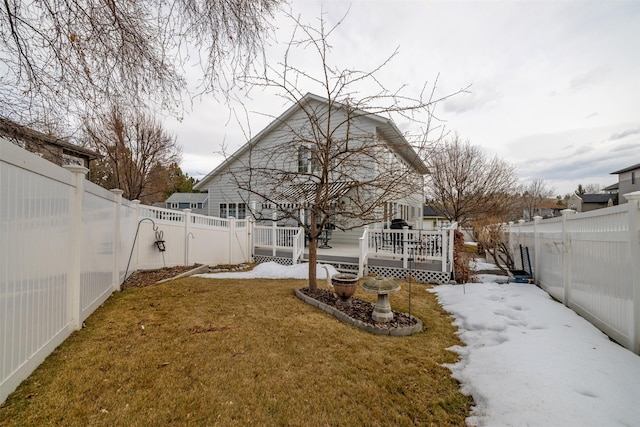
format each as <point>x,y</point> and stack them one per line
<point>294,250</point>
<point>187,222</point>
<point>405,247</point>
<point>116,239</point>
<point>274,234</point>
<point>566,257</point>
<point>75,270</point>
<point>364,249</point>
<point>445,240</point>
<point>135,204</point>
<point>232,233</point>
<point>634,256</point>
<point>536,246</point>
<point>250,237</point>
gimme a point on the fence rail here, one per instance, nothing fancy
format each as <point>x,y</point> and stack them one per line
<point>591,262</point>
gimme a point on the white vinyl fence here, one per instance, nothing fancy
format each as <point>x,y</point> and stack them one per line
<point>66,245</point>
<point>591,262</point>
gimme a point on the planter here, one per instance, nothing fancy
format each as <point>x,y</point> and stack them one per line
<point>344,285</point>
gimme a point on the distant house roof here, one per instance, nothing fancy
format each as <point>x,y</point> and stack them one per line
<point>14,131</point>
<point>188,197</point>
<point>598,198</point>
<point>612,187</point>
<point>627,169</point>
<point>428,211</point>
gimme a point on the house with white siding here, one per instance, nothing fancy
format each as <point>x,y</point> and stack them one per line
<point>272,172</point>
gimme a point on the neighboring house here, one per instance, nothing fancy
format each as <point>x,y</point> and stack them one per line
<point>548,208</point>
<point>432,219</point>
<point>263,152</point>
<point>628,181</point>
<point>590,202</point>
<point>49,147</point>
<point>197,202</point>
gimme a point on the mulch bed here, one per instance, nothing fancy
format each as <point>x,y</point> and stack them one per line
<point>360,309</point>
<point>143,278</point>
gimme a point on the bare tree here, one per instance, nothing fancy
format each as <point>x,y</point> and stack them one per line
<point>66,56</point>
<point>464,183</point>
<point>337,159</point>
<point>491,233</point>
<point>138,154</point>
<point>533,194</point>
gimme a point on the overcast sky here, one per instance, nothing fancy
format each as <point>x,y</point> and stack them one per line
<point>555,85</point>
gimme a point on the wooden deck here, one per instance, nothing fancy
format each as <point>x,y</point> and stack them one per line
<point>345,259</point>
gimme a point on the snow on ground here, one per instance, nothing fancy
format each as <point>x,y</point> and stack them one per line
<point>272,270</point>
<point>527,359</point>
<point>481,264</point>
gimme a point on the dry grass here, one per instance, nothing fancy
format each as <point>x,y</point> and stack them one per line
<point>241,352</point>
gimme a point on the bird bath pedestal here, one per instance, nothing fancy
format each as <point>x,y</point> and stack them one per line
<point>383,286</point>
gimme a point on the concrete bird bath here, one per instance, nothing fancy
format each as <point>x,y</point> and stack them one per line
<point>383,286</point>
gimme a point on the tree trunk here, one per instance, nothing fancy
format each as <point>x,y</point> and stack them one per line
<point>313,259</point>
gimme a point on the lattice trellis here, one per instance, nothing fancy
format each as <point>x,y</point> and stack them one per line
<point>422,276</point>
<point>259,259</point>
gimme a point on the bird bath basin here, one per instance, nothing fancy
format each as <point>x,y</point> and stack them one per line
<point>383,286</point>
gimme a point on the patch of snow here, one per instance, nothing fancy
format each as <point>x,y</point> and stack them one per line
<point>529,360</point>
<point>273,270</point>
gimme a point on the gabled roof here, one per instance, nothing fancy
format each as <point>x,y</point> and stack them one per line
<point>11,129</point>
<point>598,198</point>
<point>430,211</point>
<point>627,169</point>
<point>386,127</point>
<point>187,197</point>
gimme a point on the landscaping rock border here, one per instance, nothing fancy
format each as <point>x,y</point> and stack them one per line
<point>368,327</point>
<point>197,270</point>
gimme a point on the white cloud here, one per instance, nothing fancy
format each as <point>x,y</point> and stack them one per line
<point>547,79</point>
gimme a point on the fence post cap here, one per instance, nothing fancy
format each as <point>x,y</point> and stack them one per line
<point>635,195</point>
<point>567,211</point>
<point>76,169</point>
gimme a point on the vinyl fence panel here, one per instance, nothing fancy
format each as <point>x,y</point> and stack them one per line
<point>591,262</point>
<point>66,244</point>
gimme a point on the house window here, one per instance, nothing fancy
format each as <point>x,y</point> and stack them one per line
<point>236,210</point>
<point>307,162</point>
<point>174,205</point>
<point>193,205</point>
<point>304,158</point>
<point>633,178</point>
